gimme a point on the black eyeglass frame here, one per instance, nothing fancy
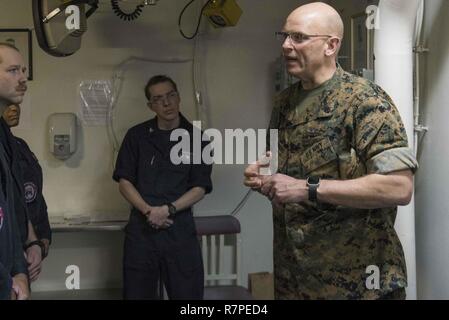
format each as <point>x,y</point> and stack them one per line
<point>299,37</point>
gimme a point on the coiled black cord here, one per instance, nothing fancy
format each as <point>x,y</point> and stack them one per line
<point>126,16</point>
<point>199,20</point>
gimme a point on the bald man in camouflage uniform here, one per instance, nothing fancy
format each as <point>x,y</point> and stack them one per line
<point>346,131</point>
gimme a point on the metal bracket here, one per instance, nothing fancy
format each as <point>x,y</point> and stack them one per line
<point>420,128</point>
<point>420,49</point>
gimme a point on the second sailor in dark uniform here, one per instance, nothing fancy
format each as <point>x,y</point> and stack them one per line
<point>161,239</point>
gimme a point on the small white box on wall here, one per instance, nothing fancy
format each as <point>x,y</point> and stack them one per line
<point>62,135</point>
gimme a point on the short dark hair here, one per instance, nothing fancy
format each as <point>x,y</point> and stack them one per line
<point>8,45</point>
<point>158,79</point>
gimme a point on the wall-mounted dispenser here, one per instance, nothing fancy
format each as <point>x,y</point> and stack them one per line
<point>62,134</point>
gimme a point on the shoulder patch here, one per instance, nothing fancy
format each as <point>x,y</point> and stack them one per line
<point>30,192</point>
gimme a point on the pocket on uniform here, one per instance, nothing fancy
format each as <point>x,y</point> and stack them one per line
<point>172,179</point>
<point>320,159</point>
<point>179,169</point>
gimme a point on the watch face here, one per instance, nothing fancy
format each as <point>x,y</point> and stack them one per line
<point>313,180</point>
<point>171,209</point>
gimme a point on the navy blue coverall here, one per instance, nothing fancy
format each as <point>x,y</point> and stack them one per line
<point>12,260</point>
<point>172,254</point>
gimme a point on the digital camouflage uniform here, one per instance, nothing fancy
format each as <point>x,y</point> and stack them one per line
<point>322,251</point>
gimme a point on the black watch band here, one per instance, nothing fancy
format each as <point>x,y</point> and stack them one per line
<point>171,210</point>
<point>312,184</point>
<point>38,243</point>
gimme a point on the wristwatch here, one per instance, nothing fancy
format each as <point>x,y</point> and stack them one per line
<point>312,184</point>
<point>171,210</point>
<point>40,244</point>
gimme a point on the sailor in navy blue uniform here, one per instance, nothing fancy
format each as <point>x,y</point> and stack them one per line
<point>27,167</point>
<point>161,241</point>
<point>13,266</point>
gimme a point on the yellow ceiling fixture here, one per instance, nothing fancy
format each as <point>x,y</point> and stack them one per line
<point>223,13</point>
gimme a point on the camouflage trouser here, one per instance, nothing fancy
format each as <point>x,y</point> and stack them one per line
<point>398,294</point>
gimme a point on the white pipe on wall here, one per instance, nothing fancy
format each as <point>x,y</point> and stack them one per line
<point>393,49</point>
<point>419,49</point>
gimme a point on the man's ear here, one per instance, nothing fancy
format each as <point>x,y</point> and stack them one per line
<point>149,105</point>
<point>332,46</point>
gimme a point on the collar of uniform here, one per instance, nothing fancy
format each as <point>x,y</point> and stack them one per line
<point>323,106</point>
<point>6,138</point>
<point>183,124</point>
<point>328,106</point>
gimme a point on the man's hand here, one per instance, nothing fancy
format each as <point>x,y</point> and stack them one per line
<point>20,287</point>
<point>282,189</point>
<point>13,295</point>
<point>253,177</point>
<point>157,217</point>
<point>34,259</point>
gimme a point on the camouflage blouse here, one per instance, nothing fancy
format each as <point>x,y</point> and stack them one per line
<point>322,251</point>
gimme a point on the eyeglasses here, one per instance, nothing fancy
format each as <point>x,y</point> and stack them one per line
<point>298,37</point>
<point>171,97</point>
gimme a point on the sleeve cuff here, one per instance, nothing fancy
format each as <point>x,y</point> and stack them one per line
<point>207,188</point>
<point>20,265</point>
<point>121,175</point>
<point>396,159</point>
